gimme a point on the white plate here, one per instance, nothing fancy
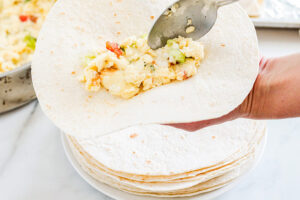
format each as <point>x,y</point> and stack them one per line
<point>120,195</point>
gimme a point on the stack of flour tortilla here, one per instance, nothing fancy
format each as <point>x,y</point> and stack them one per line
<point>119,141</point>
<point>163,161</point>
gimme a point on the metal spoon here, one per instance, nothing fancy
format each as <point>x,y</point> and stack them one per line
<point>186,18</point>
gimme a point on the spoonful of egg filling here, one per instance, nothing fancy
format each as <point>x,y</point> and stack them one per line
<point>132,67</point>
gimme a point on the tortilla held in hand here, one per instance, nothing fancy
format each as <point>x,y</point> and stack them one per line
<point>74,29</point>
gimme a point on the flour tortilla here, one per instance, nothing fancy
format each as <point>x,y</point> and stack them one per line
<point>218,179</point>
<point>207,186</point>
<point>169,186</point>
<point>73,29</point>
<point>199,175</point>
<point>155,150</point>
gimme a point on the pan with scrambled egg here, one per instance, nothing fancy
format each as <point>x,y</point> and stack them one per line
<point>20,23</point>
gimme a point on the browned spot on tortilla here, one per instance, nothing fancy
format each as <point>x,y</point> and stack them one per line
<point>119,1</point>
<point>115,14</point>
<point>133,135</point>
<point>90,96</point>
<point>48,106</point>
<point>212,104</point>
<point>223,45</point>
<point>116,113</point>
<point>182,137</point>
<point>152,17</point>
<point>73,72</point>
<point>133,152</point>
<point>79,28</point>
<point>118,22</point>
<point>119,33</point>
<point>51,52</point>
<point>213,137</point>
<point>148,161</point>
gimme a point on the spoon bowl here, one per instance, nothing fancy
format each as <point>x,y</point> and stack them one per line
<point>186,18</point>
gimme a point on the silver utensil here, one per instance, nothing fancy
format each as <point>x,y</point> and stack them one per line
<point>186,18</point>
<point>16,88</point>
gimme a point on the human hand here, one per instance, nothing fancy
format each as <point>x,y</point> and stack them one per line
<point>275,94</point>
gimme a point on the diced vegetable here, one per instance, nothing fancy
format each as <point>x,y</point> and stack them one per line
<point>115,48</point>
<point>30,41</point>
<point>23,18</point>
<point>170,43</point>
<point>177,55</point>
<point>175,52</point>
<point>184,75</point>
<point>133,45</point>
<point>33,18</point>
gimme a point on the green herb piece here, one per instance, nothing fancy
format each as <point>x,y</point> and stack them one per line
<point>30,41</point>
<point>134,45</point>
<point>177,55</point>
<point>170,43</point>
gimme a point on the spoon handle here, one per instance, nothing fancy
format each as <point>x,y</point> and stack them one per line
<point>224,2</point>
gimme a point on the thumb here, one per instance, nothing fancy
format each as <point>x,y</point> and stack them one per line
<point>194,126</point>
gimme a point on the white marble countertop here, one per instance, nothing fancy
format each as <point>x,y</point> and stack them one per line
<point>33,165</point>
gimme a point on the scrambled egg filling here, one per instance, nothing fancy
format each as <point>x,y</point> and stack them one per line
<point>132,67</point>
<point>20,23</point>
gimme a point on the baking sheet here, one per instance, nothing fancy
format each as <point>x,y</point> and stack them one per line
<point>279,14</point>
